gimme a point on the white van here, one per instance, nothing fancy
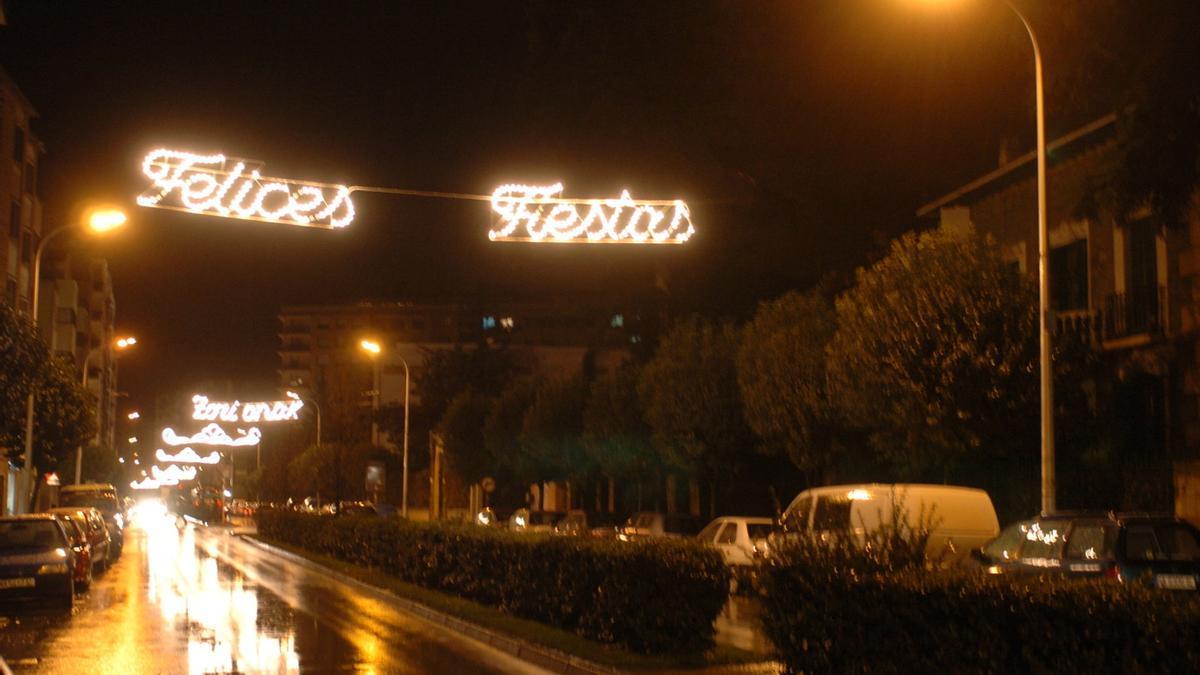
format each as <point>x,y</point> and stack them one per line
<point>962,518</point>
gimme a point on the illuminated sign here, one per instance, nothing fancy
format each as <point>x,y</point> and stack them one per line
<point>217,185</point>
<point>261,411</point>
<point>187,456</point>
<point>537,213</point>
<point>173,473</point>
<point>213,434</point>
<point>147,484</point>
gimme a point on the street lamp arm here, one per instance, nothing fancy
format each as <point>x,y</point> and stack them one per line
<point>37,271</point>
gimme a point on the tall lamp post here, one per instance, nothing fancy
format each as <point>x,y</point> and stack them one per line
<point>120,344</point>
<point>1046,369</point>
<point>373,348</point>
<point>98,221</point>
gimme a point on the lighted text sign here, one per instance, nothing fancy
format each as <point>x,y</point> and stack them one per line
<point>187,456</point>
<point>213,434</point>
<point>263,411</point>
<point>537,213</point>
<point>217,185</point>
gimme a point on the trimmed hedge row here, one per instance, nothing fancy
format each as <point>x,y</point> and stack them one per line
<point>652,597</point>
<point>834,615</point>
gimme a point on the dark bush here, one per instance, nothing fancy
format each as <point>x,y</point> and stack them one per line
<point>650,597</point>
<point>841,608</point>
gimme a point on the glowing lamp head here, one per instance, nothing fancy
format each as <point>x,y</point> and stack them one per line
<point>126,343</point>
<point>134,415</point>
<point>371,347</point>
<point>105,220</point>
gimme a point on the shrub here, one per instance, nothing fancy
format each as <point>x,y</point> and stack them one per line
<point>844,609</point>
<point>649,597</point>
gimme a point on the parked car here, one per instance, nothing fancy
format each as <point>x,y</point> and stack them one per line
<point>365,509</point>
<point>102,497</point>
<point>1159,551</point>
<point>91,523</point>
<point>36,559</point>
<point>77,537</point>
<point>652,524</point>
<point>524,520</point>
<point>960,519</point>
<point>741,539</point>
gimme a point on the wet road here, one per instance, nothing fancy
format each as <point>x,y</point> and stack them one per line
<point>203,601</point>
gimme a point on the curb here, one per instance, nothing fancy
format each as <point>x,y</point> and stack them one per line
<point>543,657</point>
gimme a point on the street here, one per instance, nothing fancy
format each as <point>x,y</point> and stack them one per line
<point>201,600</point>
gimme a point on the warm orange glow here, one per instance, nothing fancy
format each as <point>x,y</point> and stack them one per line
<point>126,342</point>
<point>104,220</point>
<point>134,415</point>
<point>370,346</point>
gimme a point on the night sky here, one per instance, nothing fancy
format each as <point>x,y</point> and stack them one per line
<point>803,134</point>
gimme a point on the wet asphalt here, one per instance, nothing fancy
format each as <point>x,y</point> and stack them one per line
<point>201,600</point>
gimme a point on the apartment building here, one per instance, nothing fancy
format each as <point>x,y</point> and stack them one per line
<point>76,315</point>
<point>1124,280</point>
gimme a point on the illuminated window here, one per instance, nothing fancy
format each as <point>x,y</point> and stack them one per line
<point>489,322</point>
<point>506,323</point>
<point>618,321</point>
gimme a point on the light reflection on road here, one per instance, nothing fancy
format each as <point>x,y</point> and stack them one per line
<point>221,615</point>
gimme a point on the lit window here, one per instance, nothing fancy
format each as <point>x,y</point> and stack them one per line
<point>506,322</point>
<point>618,320</point>
<point>489,322</point>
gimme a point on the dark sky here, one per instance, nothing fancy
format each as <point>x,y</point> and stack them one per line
<point>803,134</point>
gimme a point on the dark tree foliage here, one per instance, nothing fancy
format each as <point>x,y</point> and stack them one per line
<point>551,441</point>
<point>461,429</point>
<point>616,435</point>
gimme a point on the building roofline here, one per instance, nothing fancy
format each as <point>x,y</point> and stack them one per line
<point>1027,158</point>
<point>7,79</point>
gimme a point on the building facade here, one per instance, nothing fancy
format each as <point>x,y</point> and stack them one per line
<point>76,316</point>
<point>1126,282</point>
<point>21,152</point>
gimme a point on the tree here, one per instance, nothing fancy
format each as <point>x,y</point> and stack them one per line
<point>65,418</point>
<point>615,434</point>
<point>333,471</point>
<point>461,429</point>
<point>692,403</point>
<point>782,376</point>
<point>936,354</point>
<point>23,355</point>
<point>502,427</point>
<point>551,438</point>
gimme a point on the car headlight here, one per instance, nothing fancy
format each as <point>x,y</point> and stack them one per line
<point>53,568</point>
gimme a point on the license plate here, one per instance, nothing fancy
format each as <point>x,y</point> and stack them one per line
<point>25,582</point>
<point>1176,582</point>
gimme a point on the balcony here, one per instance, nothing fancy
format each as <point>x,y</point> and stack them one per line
<point>1134,317</point>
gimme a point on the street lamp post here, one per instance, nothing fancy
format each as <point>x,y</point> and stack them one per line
<point>120,344</point>
<point>1045,336</point>
<point>1044,311</point>
<point>98,221</point>
<point>373,348</point>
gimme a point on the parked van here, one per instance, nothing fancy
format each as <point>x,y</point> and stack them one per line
<point>961,518</point>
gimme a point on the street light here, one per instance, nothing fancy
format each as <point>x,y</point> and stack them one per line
<point>98,221</point>
<point>120,344</point>
<point>1045,337</point>
<point>374,350</point>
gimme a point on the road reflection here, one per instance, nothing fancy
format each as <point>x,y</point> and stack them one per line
<point>212,603</point>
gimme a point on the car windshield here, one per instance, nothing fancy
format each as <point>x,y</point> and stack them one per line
<point>105,502</point>
<point>710,531</point>
<point>30,534</point>
<point>1161,541</point>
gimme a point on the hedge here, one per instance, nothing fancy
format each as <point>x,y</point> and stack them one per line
<point>649,597</point>
<point>831,613</point>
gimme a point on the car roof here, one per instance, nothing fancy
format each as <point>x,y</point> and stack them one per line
<point>87,487</point>
<point>27,517</point>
